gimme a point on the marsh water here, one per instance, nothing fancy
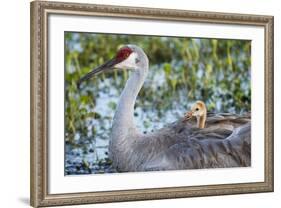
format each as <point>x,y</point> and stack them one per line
<point>182,70</point>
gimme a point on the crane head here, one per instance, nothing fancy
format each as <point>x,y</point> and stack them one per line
<point>125,58</point>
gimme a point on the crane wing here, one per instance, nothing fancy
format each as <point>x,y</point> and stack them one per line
<point>225,142</point>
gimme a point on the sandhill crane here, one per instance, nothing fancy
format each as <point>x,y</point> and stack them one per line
<point>224,142</point>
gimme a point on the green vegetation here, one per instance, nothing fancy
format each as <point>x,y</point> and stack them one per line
<point>182,70</point>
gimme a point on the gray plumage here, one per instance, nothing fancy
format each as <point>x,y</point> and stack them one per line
<point>225,142</point>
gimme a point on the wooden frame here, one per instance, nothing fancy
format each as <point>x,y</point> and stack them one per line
<point>39,103</point>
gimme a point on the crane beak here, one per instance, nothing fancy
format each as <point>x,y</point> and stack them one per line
<point>107,66</point>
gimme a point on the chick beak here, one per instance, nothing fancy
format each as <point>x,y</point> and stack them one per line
<point>187,116</point>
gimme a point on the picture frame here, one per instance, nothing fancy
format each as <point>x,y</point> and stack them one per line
<point>40,103</point>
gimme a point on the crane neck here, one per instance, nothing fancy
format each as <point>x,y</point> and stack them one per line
<point>123,121</point>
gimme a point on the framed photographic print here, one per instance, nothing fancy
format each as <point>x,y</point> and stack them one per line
<point>144,103</point>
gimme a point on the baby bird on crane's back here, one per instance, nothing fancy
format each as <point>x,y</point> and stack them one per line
<point>199,111</point>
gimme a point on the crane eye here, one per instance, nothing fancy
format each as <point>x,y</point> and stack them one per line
<point>197,109</point>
